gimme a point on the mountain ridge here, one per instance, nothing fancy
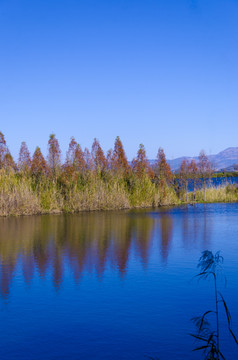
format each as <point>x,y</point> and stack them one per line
<point>224,160</point>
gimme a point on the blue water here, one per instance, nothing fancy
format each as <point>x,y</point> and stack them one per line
<point>213,182</point>
<point>223,181</point>
<point>113,285</point>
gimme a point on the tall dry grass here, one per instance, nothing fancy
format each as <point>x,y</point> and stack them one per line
<point>97,196</point>
<point>16,196</point>
<point>227,193</point>
<point>26,195</point>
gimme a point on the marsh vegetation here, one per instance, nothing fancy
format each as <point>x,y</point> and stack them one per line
<point>91,180</point>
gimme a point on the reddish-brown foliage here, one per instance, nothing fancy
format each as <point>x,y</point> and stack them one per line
<point>119,159</point>
<point>184,175</point>
<point>98,156</point>
<point>67,174</point>
<point>188,171</point>
<point>24,160</point>
<point>141,165</point>
<point>204,165</point>
<point>75,156</point>
<point>88,159</point>
<point>3,149</point>
<point>110,159</point>
<point>192,169</point>
<point>193,174</point>
<point>8,162</point>
<point>75,163</point>
<point>162,167</point>
<point>6,159</point>
<point>54,154</point>
<point>204,169</point>
<point>184,170</point>
<point>38,165</point>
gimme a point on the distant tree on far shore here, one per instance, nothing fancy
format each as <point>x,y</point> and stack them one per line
<point>193,175</point>
<point>184,176</point>
<point>205,169</point>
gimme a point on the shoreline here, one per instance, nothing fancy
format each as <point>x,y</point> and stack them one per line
<point>23,196</point>
<point>75,212</point>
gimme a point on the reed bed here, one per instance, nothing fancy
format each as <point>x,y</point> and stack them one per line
<point>226,193</point>
<point>24,195</point>
<point>17,196</point>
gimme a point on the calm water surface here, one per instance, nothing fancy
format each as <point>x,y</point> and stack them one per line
<point>213,182</point>
<point>112,285</point>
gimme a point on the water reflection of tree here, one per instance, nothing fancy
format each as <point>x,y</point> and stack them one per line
<point>166,230</point>
<point>28,267</point>
<point>143,235</point>
<point>207,227</point>
<point>122,236</point>
<point>84,242</point>
<point>196,226</point>
<point>7,272</point>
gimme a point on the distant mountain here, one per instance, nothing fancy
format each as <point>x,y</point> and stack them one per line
<point>224,160</point>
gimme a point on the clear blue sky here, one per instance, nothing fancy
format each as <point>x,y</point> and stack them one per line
<point>157,72</point>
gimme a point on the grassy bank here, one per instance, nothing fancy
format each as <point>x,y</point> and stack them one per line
<point>23,195</point>
<point>226,193</point>
<point>90,180</point>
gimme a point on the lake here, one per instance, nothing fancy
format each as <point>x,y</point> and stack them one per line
<point>113,285</point>
<point>214,182</point>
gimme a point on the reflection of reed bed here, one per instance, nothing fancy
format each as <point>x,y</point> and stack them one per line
<point>87,242</point>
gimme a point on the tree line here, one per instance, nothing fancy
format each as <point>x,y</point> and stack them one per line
<point>115,161</point>
<point>92,180</point>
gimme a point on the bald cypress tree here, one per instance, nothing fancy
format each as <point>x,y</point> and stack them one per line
<point>8,162</point>
<point>88,159</point>
<point>193,175</point>
<point>3,149</point>
<point>75,156</point>
<point>141,165</point>
<point>54,154</point>
<point>6,159</point>
<point>205,169</point>
<point>38,166</point>
<point>184,176</point>
<point>99,159</point>
<point>119,159</point>
<point>163,170</point>
<point>24,159</point>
